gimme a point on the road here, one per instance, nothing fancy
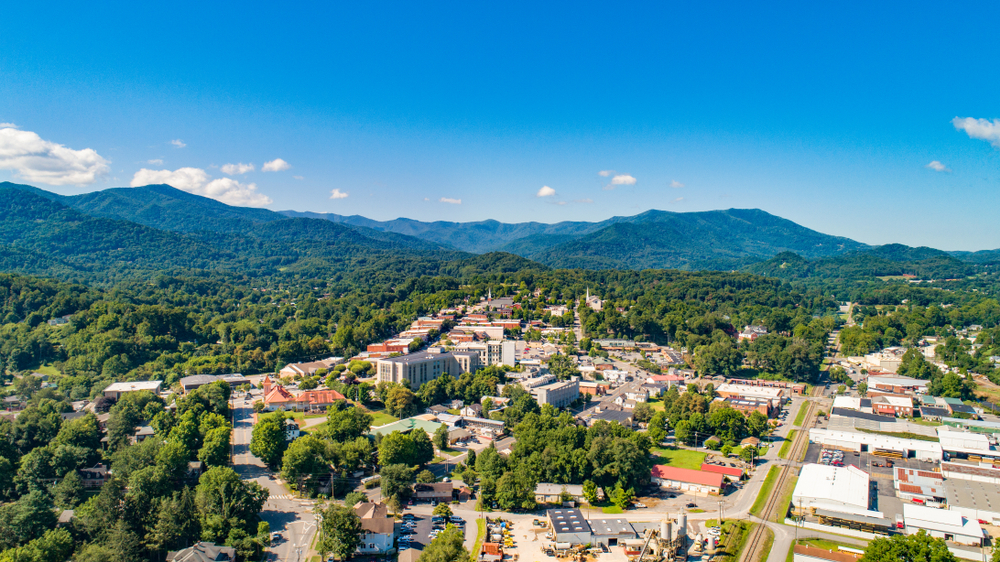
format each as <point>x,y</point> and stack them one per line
<point>291,517</point>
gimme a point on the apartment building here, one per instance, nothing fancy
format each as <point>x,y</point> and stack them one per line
<point>418,368</point>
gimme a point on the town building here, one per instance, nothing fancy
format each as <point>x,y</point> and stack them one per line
<point>920,486</point>
<point>434,492</point>
<point>553,493</point>
<point>882,384</point>
<point>734,474</point>
<point>309,369</point>
<point>114,391</point>
<point>611,532</point>
<point>893,405</point>
<point>751,333</point>
<point>942,524</point>
<point>687,480</point>
<point>844,490</point>
<point>492,352</point>
<point>418,368</point>
<point>730,390</point>
<point>317,400</point>
<point>192,382</point>
<point>805,553</point>
<point>569,526</point>
<point>558,394</point>
<point>748,405</point>
<point>377,528</point>
<point>853,403</point>
<point>203,552</point>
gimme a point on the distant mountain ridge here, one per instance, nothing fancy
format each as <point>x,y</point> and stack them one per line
<point>122,227</point>
<point>725,239</point>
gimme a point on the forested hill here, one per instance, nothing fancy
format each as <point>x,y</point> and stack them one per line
<point>40,234</point>
<point>885,261</point>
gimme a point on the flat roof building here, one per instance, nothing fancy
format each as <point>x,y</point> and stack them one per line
<point>115,390</point>
<point>418,368</point>
<point>569,526</point>
<point>975,500</point>
<point>611,532</point>
<point>729,390</point>
<point>942,524</point>
<point>559,394</point>
<point>833,488</point>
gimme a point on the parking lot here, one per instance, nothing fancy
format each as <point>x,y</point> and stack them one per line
<point>416,530</point>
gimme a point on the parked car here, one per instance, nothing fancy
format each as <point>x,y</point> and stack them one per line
<point>690,505</point>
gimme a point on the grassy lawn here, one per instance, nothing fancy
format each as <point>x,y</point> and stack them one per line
<point>765,491</point>
<point>450,453</point>
<point>786,446</point>
<point>381,418</point>
<point>313,428</point>
<point>480,534</point>
<point>656,403</point>
<point>681,458</point>
<point>735,538</point>
<point>785,498</point>
<point>437,459</point>
<point>48,370</point>
<point>801,416</point>
<point>919,421</point>
<point>699,510</point>
<point>612,510</point>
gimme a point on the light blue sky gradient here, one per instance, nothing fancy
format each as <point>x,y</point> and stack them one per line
<point>823,114</point>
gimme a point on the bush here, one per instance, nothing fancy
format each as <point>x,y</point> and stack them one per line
<point>373,483</point>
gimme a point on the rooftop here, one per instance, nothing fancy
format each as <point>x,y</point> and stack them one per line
<point>152,386</point>
<point>687,475</point>
<point>568,521</point>
<point>611,527</point>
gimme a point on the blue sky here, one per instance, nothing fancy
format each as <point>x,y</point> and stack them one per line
<point>827,115</point>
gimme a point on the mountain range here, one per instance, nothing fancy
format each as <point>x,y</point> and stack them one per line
<point>157,226</point>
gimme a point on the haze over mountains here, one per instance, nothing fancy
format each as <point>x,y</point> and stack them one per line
<point>127,229</point>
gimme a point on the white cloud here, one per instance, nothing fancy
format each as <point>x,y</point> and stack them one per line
<point>8,126</point>
<point>155,162</point>
<point>237,169</point>
<point>620,179</point>
<point>675,183</point>
<point>276,165</point>
<point>678,200</point>
<point>36,160</point>
<point>451,201</point>
<point>937,166</point>
<point>545,191</point>
<point>196,181</point>
<point>299,177</point>
<point>338,194</point>
<point>982,129</point>
<point>605,173</point>
<point>178,143</point>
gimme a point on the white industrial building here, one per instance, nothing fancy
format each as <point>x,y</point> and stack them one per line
<point>973,499</point>
<point>858,441</point>
<point>942,524</point>
<point>114,391</point>
<point>965,443</point>
<point>843,490</point>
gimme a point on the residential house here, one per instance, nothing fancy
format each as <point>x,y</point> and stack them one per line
<point>114,391</point>
<point>95,476</point>
<point>751,333</point>
<point>203,552</point>
<point>309,369</point>
<point>377,528</point>
<point>472,410</point>
<point>553,493</point>
<point>292,430</point>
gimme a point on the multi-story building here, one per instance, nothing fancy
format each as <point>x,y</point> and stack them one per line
<point>492,352</point>
<point>418,368</point>
<point>559,394</point>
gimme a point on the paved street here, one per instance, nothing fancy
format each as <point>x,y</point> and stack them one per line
<point>292,518</point>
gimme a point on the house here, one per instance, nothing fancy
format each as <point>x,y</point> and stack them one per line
<point>15,403</point>
<point>292,430</point>
<point>377,528</point>
<point>472,410</point>
<point>751,333</point>
<point>553,493</point>
<point>142,433</point>
<point>115,390</point>
<point>463,494</point>
<point>614,415</point>
<point>687,480</point>
<point>434,492</point>
<point>203,552</point>
<point>277,398</point>
<point>95,476</point>
<point>409,555</point>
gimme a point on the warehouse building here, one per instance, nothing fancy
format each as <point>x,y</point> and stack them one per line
<point>920,486</point>
<point>569,526</point>
<point>611,532</point>
<point>942,524</point>
<point>875,443</point>
<point>845,490</point>
<point>687,480</point>
<point>973,499</point>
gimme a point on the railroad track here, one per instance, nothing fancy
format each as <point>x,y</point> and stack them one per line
<point>756,540</point>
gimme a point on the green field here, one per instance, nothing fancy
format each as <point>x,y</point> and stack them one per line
<point>480,534</point>
<point>47,370</point>
<point>786,446</point>
<point>765,491</point>
<point>681,458</point>
<point>801,416</point>
<point>612,510</point>
<point>381,418</point>
<point>785,499</point>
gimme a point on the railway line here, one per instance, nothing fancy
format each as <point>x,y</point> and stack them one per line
<point>757,538</point>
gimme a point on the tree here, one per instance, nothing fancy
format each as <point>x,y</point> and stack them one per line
<point>69,492</point>
<point>26,519</point>
<point>354,498</point>
<point>268,441</point>
<point>396,481</point>
<point>862,389</point>
<point>224,502</point>
<point>304,461</point>
<point>401,402</point>
<point>442,510</point>
<point>748,454</point>
<point>423,449</point>
<point>347,424</point>
<point>341,532</point>
<point>622,497</point>
<point>447,547</point>
<point>397,448</point>
<point>441,437</point>
<point>683,432</point>
<point>515,491</point>
<point>215,447</point>
<point>590,491</point>
<point>908,548</point>
<point>643,412</point>
<point>726,450</point>
<point>54,546</point>
<point>426,477</point>
<point>757,424</point>
<point>657,428</point>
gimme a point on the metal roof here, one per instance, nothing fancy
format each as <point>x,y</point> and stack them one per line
<point>568,521</point>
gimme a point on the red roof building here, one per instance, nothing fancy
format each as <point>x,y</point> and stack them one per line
<point>317,399</point>
<point>686,480</point>
<point>278,398</point>
<point>730,471</point>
